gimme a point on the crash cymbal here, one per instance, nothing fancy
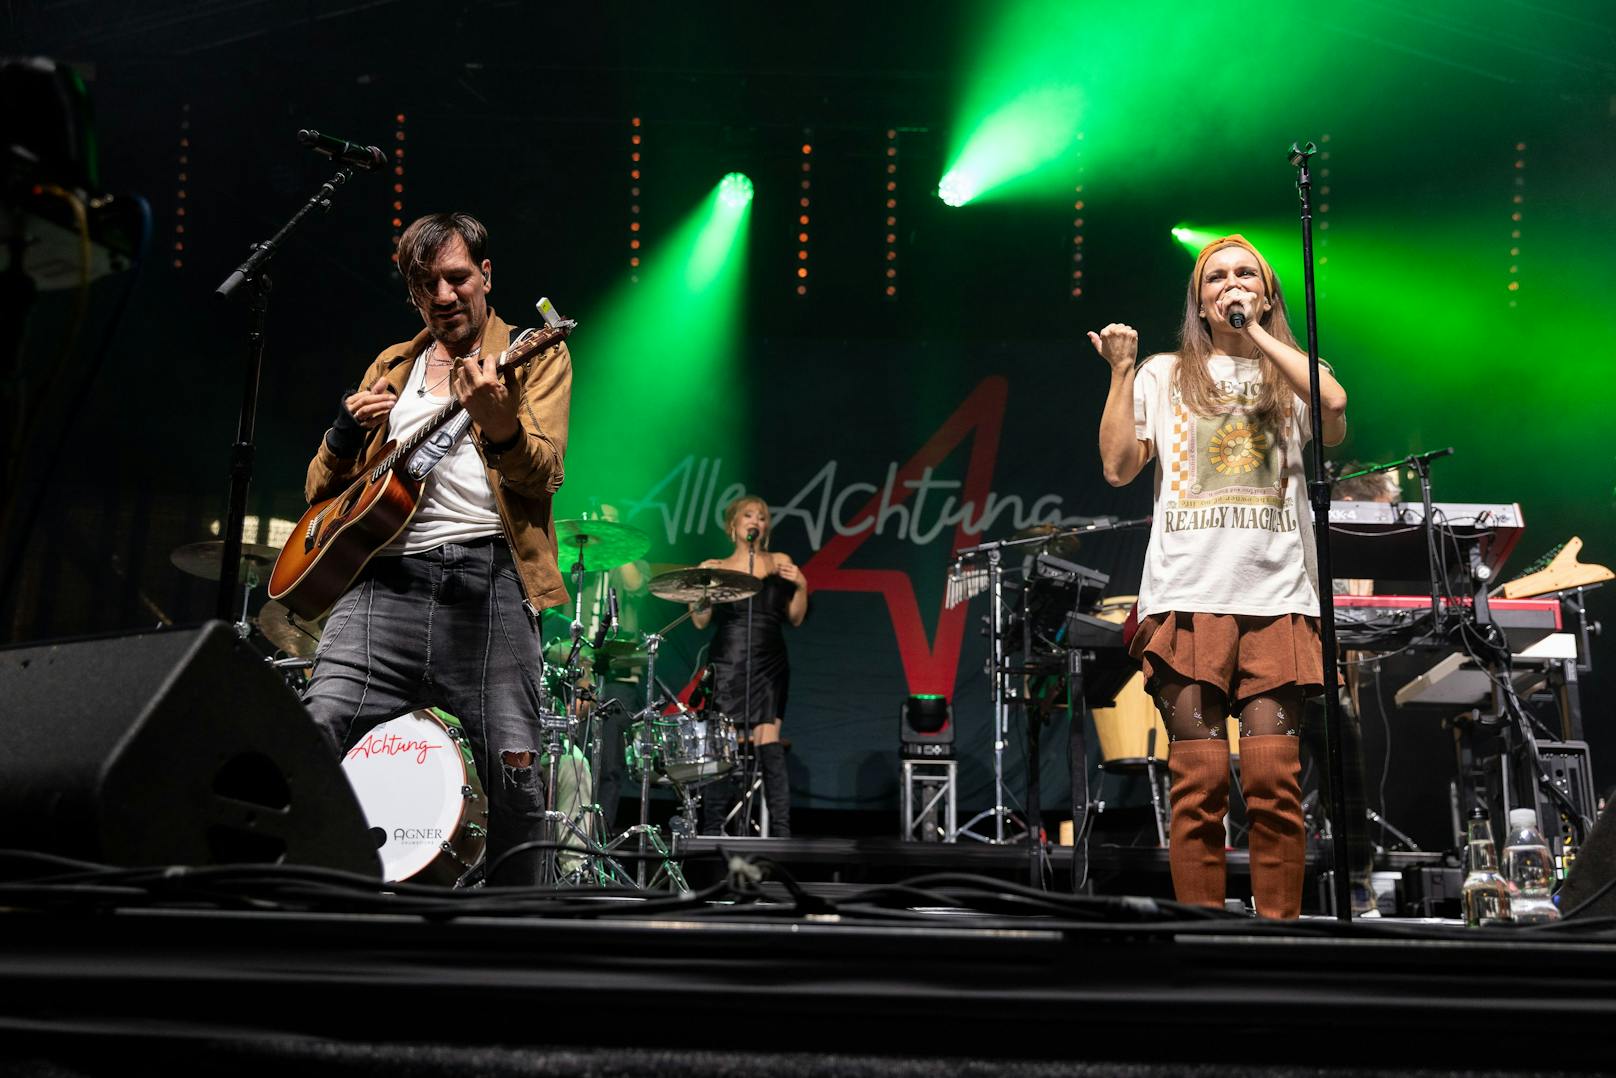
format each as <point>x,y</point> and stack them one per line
<point>604,544</point>
<point>1064,546</point>
<point>705,585</point>
<point>295,635</point>
<point>203,559</point>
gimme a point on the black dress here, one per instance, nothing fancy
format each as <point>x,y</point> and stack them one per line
<point>771,670</point>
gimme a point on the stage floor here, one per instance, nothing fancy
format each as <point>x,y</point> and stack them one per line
<point>246,965</point>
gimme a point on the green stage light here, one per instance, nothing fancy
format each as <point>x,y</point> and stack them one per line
<point>735,190</point>
<point>1194,239</point>
<point>954,189</point>
<point>673,336</point>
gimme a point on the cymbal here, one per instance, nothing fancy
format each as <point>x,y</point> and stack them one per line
<point>603,544</point>
<point>705,585</point>
<point>556,627</point>
<point>297,636</point>
<point>203,559</point>
<point>626,668</point>
<point>622,644</point>
<point>1064,546</point>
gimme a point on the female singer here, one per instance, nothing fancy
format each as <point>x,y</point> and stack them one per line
<point>1228,603</point>
<point>783,600</point>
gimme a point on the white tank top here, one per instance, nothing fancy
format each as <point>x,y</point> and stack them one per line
<point>456,503</point>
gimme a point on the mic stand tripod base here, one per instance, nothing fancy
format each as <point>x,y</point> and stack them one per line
<point>1008,830</point>
<point>648,838</point>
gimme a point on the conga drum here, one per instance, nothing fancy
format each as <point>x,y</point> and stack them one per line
<point>1124,728</point>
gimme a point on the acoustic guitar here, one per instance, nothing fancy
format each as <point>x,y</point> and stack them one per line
<point>336,537</point>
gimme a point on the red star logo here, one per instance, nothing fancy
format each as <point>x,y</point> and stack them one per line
<point>929,667</point>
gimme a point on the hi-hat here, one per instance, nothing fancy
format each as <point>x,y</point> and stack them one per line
<point>556,627</point>
<point>203,559</point>
<point>287,631</point>
<point>600,544</point>
<point>1061,546</point>
<point>622,643</point>
<point>705,585</point>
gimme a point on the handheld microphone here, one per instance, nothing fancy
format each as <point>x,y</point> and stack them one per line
<point>1237,318</point>
<point>368,158</point>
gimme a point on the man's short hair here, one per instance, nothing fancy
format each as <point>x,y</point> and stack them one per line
<point>425,237</point>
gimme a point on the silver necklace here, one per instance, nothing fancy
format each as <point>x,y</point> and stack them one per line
<point>423,389</point>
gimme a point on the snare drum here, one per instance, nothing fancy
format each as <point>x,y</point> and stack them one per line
<point>688,749</point>
<point>418,786</point>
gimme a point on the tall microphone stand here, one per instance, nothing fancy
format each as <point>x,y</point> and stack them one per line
<point>253,275</point>
<point>753,767</point>
<point>1319,497</point>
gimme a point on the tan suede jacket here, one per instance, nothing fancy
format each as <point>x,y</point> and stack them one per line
<point>524,478</point>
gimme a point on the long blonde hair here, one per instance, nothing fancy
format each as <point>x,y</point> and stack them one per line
<point>1193,378</point>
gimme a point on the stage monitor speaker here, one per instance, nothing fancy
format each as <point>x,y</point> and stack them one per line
<point>173,747</point>
<point>1592,879</point>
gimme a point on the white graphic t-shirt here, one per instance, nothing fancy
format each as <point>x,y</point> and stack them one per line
<point>1232,533</point>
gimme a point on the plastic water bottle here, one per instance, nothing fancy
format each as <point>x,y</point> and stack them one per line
<point>1529,867</point>
<point>1486,894</point>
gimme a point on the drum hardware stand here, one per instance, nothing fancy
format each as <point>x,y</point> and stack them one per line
<point>1000,670</point>
<point>556,823</point>
<point>753,779</point>
<point>997,665</point>
<point>650,838</point>
<point>999,813</point>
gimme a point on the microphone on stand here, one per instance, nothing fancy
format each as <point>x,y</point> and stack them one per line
<point>368,158</point>
<point>751,535</point>
<point>608,621</point>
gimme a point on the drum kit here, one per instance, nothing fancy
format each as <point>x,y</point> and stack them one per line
<point>414,775</point>
<point>668,744</point>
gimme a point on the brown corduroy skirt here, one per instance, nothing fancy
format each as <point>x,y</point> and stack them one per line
<point>1241,655</point>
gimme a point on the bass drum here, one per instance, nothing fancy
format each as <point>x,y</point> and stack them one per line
<point>417,785</point>
<point>1124,728</point>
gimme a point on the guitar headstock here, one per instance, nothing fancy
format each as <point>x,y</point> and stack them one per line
<point>532,342</point>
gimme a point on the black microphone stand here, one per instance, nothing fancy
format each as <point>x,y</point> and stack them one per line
<point>253,275</point>
<point>1319,497</point>
<point>754,765</point>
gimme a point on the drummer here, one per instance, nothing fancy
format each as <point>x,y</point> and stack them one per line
<point>751,672</point>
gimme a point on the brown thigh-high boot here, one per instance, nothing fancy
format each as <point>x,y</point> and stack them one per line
<point>1200,796</point>
<point>1269,769</point>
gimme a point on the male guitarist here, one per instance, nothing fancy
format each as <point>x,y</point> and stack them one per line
<point>447,614</point>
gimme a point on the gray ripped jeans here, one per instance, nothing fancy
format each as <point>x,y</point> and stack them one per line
<point>444,628</point>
